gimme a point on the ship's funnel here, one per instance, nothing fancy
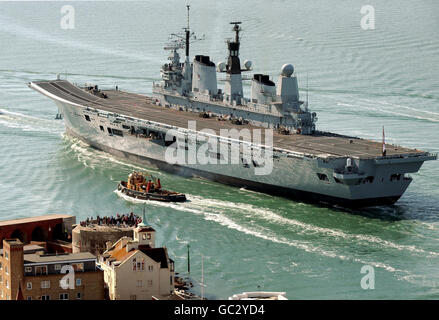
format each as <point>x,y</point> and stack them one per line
<point>263,89</point>
<point>204,76</point>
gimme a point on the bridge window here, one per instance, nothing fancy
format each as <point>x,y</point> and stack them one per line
<point>323,177</point>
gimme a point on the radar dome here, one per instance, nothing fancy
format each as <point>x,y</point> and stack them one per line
<point>287,70</point>
<point>221,66</point>
<point>247,64</point>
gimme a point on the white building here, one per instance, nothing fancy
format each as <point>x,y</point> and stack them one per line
<point>135,270</point>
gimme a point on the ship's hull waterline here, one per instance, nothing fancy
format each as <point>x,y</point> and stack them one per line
<point>292,176</point>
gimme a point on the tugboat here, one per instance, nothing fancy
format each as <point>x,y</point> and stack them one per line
<point>138,187</point>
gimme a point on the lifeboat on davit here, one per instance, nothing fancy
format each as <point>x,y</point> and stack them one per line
<point>138,187</point>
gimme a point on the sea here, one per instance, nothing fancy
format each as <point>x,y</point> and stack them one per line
<point>363,73</point>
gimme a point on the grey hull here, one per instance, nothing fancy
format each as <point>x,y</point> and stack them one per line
<point>379,181</point>
<point>294,194</point>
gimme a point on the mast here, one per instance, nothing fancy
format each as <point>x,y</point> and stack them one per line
<point>233,92</point>
<point>187,31</point>
<point>233,63</point>
<point>307,90</point>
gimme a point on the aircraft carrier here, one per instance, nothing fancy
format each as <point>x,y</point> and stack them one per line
<point>307,164</point>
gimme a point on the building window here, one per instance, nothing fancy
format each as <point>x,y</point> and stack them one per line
<point>63,296</point>
<point>40,270</point>
<point>133,297</point>
<point>78,296</point>
<point>134,264</point>
<point>57,267</point>
<point>150,268</point>
<point>78,267</point>
<point>143,236</point>
<point>45,297</point>
<point>139,283</point>
<point>1,278</point>
<point>28,269</point>
<point>6,270</point>
<point>1,266</point>
<point>78,282</point>
<point>29,298</point>
<point>143,264</point>
<point>7,284</point>
<point>29,285</point>
<point>6,255</point>
<point>45,284</point>
<point>172,282</point>
<point>149,283</point>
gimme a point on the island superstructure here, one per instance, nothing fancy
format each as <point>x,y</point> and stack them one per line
<point>307,164</point>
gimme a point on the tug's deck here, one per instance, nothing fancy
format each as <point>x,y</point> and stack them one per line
<point>144,107</point>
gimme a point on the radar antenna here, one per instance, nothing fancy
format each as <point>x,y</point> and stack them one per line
<point>237,29</point>
<point>180,41</point>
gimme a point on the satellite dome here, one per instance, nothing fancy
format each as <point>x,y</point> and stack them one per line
<point>247,64</point>
<point>287,70</point>
<point>221,66</point>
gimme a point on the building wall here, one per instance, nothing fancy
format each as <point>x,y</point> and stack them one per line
<point>47,228</point>
<point>123,282</point>
<point>12,270</point>
<point>84,240</point>
<point>91,287</point>
<point>12,275</point>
